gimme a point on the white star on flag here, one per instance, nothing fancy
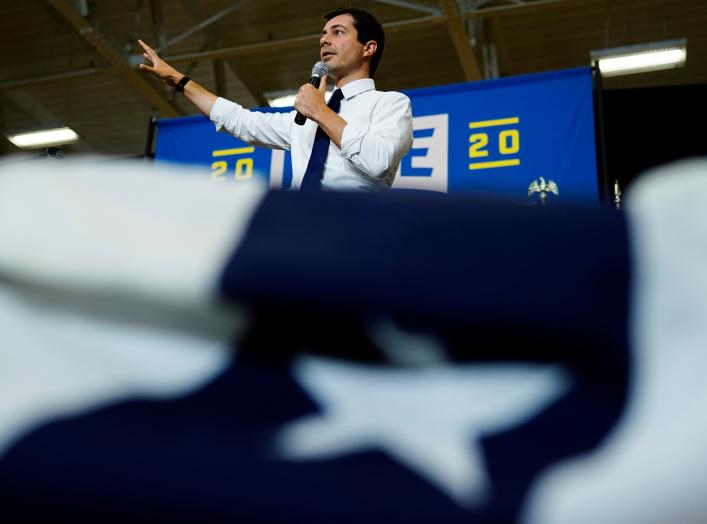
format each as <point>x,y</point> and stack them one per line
<point>430,420</point>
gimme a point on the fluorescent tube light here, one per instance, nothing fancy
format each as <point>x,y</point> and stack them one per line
<point>641,58</point>
<point>282,101</point>
<point>45,138</point>
<point>287,99</point>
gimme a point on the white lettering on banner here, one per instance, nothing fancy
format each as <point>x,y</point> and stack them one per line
<point>425,165</point>
<point>277,168</point>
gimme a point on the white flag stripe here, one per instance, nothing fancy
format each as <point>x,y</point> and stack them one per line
<point>653,469</point>
<point>153,231</point>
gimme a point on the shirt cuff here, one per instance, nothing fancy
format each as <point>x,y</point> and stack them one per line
<point>351,139</point>
<point>220,111</point>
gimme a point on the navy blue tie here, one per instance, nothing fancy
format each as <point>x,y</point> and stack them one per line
<point>312,180</point>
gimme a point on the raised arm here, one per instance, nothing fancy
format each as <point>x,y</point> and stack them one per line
<point>201,98</point>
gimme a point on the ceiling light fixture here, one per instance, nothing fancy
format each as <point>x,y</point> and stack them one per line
<point>641,58</point>
<point>281,100</point>
<point>287,98</point>
<point>45,138</point>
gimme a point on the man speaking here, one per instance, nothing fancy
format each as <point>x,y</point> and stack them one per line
<point>353,143</point>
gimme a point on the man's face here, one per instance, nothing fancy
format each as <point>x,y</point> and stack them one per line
<point>340,49</point>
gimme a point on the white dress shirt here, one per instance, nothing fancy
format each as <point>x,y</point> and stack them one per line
<point>377,135</point>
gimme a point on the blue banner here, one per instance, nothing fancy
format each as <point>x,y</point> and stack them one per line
<point>515,136</point>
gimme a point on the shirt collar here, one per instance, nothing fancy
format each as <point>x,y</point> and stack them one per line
<point>357,87</point>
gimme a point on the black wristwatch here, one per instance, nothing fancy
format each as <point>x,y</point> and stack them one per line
<point>179,88</point>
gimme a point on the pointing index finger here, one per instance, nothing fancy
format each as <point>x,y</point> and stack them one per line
<point>146,47</point>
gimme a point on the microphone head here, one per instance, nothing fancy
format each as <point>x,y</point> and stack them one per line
<point>320,69</point>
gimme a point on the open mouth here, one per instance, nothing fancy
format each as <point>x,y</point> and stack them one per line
<point>327,54</point>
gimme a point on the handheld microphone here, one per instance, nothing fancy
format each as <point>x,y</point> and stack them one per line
<point>318,71</point>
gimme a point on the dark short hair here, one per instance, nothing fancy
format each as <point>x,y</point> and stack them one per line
<point>368,28</point>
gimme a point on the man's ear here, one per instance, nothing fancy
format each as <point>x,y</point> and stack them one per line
<point>370,48</point>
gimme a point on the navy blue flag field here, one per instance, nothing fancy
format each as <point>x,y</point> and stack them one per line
<point>193,352</point>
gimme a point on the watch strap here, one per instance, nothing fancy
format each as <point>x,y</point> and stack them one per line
<point>180,86</point>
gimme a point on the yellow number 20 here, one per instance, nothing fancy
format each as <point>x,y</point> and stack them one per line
<point>478,142</point>
<point>509,142</point>
<point>244,168</point>
<point>218,169</point>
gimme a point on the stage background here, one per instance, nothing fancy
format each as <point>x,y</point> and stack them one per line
<point>492,137</point>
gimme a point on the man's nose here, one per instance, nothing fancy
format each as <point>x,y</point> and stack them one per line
<point>324,40</point>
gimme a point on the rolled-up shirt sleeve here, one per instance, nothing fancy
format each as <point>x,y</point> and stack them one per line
<point>376,148</point>
<point>262,129</point>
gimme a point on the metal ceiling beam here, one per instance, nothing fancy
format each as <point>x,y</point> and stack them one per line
<point>249,81</point>
<point>43,118</point>
<point>135,79</point>
<point>34,80</point>
<point>415,6</point>
<point>513,8</point>
<point>497,36</point>
<point>156,15</point>
<point>203,25</point>
<point>213,54</point>
<point>246,78</point>
<point>131,43</point>
<point>286,43</point>
<point>81,7</point>
<point>489,49</point>
<point>220,78</point>
<point>455,26</point>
